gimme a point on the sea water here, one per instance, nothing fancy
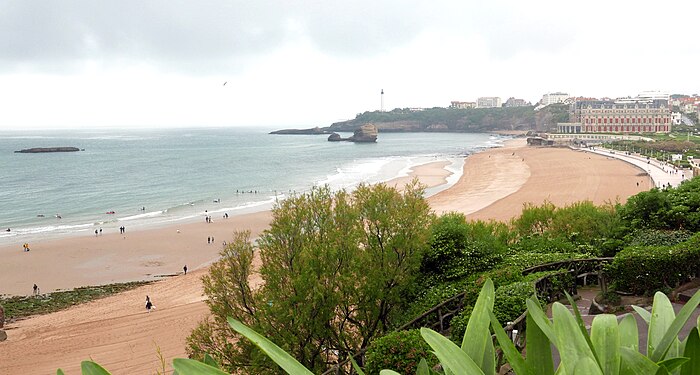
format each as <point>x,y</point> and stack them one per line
<point>158,177</point>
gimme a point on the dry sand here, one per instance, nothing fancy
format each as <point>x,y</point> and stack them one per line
<point>118,332</point>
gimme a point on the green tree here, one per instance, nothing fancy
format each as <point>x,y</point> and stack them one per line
<point>334,268</point>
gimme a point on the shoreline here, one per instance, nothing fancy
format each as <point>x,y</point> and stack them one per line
<point>117,331</point>
<point>48,228</point>
<point>89,260</point>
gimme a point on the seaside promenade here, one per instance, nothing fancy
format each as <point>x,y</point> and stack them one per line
<point>661,173</point>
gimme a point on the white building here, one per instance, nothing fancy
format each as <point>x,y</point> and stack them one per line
<point>488,102</point>
<point>676,118</point>
<point>553,98</point>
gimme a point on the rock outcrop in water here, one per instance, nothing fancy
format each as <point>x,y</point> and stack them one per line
<point>367,133</point>
<point>37,150</point>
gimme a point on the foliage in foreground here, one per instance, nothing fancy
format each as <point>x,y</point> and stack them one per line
<point>23,306</point>
<point>335,268</point>
<point>610,348</point>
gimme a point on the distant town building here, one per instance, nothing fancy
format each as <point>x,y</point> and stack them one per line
<point>462,105</point>
<point>677,118</point>
<point>512,102</point>
<point>488,102</point>
<point>554,98</point>
<point>643,114</point>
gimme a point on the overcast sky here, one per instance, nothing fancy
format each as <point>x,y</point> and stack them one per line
<point>304,63</point>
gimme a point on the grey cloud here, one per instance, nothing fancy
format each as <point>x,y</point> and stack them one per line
<point>182,32</point>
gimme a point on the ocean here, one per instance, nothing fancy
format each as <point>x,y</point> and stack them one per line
<point>156,177</point>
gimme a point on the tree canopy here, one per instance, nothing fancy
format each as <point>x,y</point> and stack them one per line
<point>334,267</point>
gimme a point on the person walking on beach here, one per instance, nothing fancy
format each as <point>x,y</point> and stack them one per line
<point>149,305</point>
<point>36,290</point>
<point>185,269</point>
<point>95,232</point>
<point>208,239</point>
<point>100,231</point>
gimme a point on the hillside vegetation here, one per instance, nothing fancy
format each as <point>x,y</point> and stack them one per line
<point>459,120</point>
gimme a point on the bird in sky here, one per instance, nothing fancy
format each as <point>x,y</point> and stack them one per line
<point>225,83</point>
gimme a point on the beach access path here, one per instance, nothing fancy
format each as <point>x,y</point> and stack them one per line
<point>661,173</point>
<point>118,333</point>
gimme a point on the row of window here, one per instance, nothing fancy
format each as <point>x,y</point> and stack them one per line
<point>638,120</point>
<point>632,129</point>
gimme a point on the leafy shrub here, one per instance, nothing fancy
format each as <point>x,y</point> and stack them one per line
<point>578,223</point>
<point>646,269</point>
<point>459,248</point>
<point>675,208</point>
<point>510,300</point>
<point>429,297</point>
<point>656,237</point>
<point>544,244</point>
<point>523,260</point>
<point>400,351</point>
<point>458,324</point>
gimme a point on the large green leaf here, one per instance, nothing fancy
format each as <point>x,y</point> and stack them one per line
<point>388,372</point>
<point>629,333</point>
<point>672,364</point>
<point>516,361</point>
<point>92,368</point>
<point>605,336</point>
<point>284,360</point>
<point>634,363</point>
<point>422,369</point>
<point>671,336</point>
<point>587,366</point>
<point>60,372</point>
<point>692,351</point>
<point>477,335</point>
<point>582,326</point>
<point>646,315</point>
<point>540,318</point>
<point>539,349</point>
<point>187,366</point>
<point>450,355</point>
<point>662,315</point>
<point>571,343</point>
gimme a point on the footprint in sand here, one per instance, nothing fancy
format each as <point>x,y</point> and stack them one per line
<point>152,263</point>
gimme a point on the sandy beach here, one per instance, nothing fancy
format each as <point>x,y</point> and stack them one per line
<point>117,331</point>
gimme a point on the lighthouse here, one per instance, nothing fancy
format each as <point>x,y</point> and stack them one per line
<point>381,108</point>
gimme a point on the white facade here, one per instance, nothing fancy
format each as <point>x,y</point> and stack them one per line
<point>553,98</point>
<point>676,118</point>
<point>488,102</point>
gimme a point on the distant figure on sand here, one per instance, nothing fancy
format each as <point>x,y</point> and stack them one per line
<point>185,269</point>
<point>149,305</point>
<point>36,290</point>
<point>95,232</point>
